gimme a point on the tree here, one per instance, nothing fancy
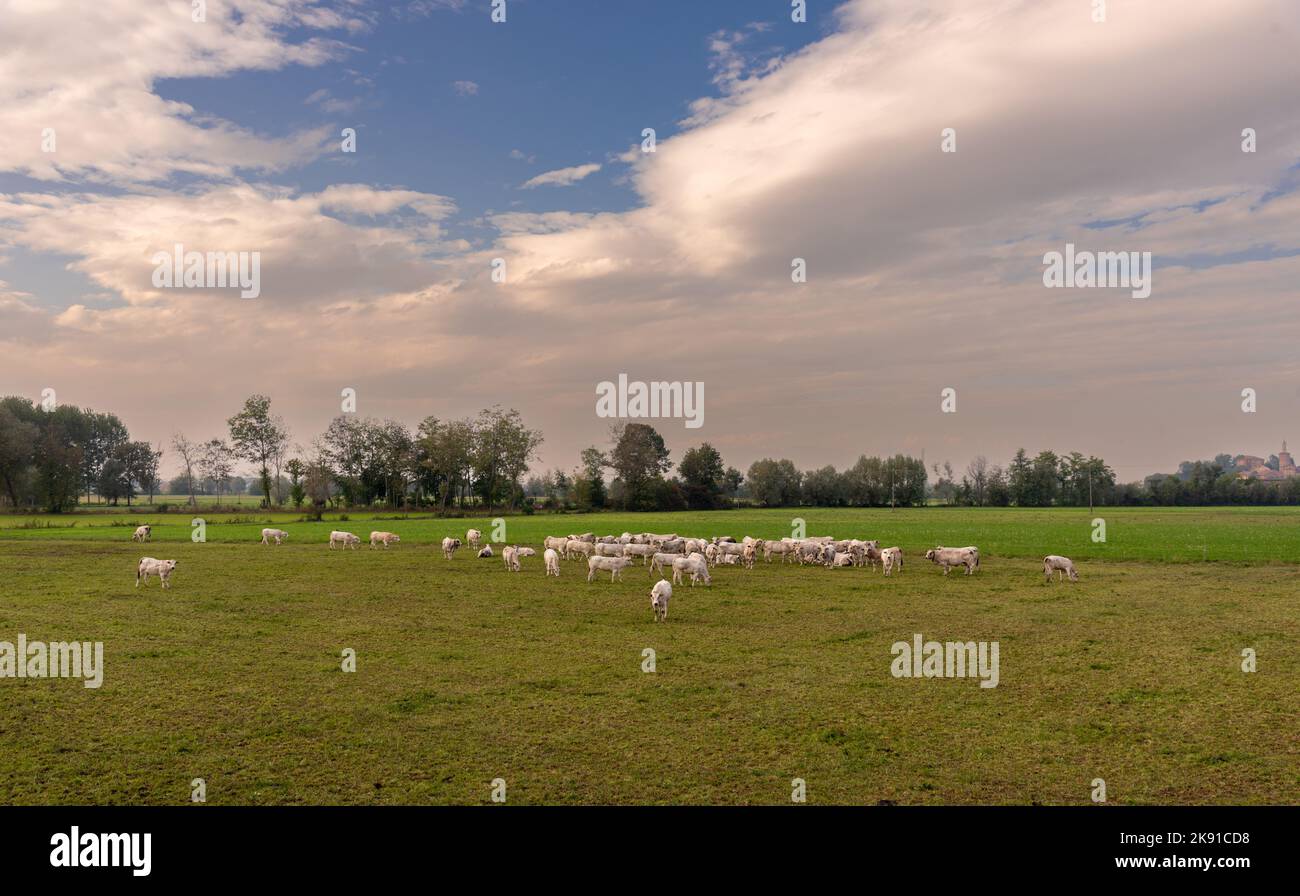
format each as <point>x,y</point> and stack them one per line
<point>296,470</point>
<point>589,482</point>
<point>773,483</point>
<point>502,449</point>
<point>259,438</point>
<point>977,474</point>
<point>1018,479</point>
<point>189,453</point>
<point>639,458</point>
<point>703,477</point>
<point>18,439</point>
<point>216,463</point>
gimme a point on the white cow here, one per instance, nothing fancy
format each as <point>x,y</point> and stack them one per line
<point>576,546</point>
<point>844,559</point>
<point>449,546</point>
<point>474,536</point>
<point>486,553</point>
<point>615,565</point>
<point>510,556</point>
<point>695,566</point>
<point>1060,565</point>
<point>891,559</point>
<point>149,566</point>
<point>638,550</point>
<point>968,557</point>
<point>555,543</point>
<point>750,552</point>
<point>659,595</point>
<point>607,549</point>
<point>142,533</point>
<point>276,535</point>
<point>777,547</point>
<point>345,539</point>
<point>659,561</point>
<point>552,562</point>
<point>384,538</point>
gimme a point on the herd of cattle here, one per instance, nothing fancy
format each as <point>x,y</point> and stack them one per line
<point>687,557</point>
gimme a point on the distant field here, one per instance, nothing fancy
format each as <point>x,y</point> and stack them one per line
<point>1170,535</point>
<point>467,673</point>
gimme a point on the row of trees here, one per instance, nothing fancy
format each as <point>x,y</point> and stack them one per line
<point>640,462</point>
<point>49,457</point>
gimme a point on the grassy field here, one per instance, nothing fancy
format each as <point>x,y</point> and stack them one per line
<point>467,673</point>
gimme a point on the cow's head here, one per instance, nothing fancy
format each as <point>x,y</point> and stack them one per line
<point>929,555</point>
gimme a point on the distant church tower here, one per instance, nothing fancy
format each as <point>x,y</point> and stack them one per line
<point>1285,465</point>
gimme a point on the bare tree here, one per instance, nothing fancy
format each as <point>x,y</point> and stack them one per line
<point>190,454</point>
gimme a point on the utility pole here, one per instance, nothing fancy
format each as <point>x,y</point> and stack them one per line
<point>1089,491</point>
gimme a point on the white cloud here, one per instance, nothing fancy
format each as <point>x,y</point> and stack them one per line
<point>561,177</point>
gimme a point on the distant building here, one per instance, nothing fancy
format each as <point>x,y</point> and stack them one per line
<point>1248,466</point>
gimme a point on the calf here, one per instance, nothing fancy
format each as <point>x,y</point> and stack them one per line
<point>474,536</point>
<point>1060,565</point>
<point>344,538</point>
<point>552,562</point>
<point>891,559</point>
<point>384,538</point>
<point>149,566</point>
<point>615,565</point>
<point>142,533</point>
<point>659,595</point>
<point>276,535</point>
<point>510,559</point>
<point>449,546</point>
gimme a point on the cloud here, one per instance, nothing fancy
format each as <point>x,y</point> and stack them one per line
<point>465,88</point>
<point>561,177</point>
<point>88,72</point>
<point>924,267</point>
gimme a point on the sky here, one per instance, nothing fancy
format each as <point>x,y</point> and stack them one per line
<point>522,141</point>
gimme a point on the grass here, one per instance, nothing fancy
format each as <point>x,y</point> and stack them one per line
<point>466,673</point>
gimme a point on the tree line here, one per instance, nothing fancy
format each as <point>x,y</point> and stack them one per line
<point>52,457</point>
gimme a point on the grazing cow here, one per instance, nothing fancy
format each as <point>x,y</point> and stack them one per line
<point>968,557</point>
<point>777,547</point>
<point>449,546</point>
<point>555,542</point>
<point>638,550</point>
<point>149,566</point>
<point>345,539</point>
<point>659,561</point>
<point>615,565</point>
<point>575,547</point>
<point>1061,565</point>
<point>695,565</point>
<point>486,553</point>
<point>473,537</point>
<point>384,538</point>
<point>142,533</point>
<point>673,546</point>
<point>728,560</point>
<point>891,559</point>
<point>730,548</point>
<point>696,545</point>
<point>608,549</point>
<point>659,595</point>
<point>276,535</point>
<point>809,552</point>
<point>552,562</point>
